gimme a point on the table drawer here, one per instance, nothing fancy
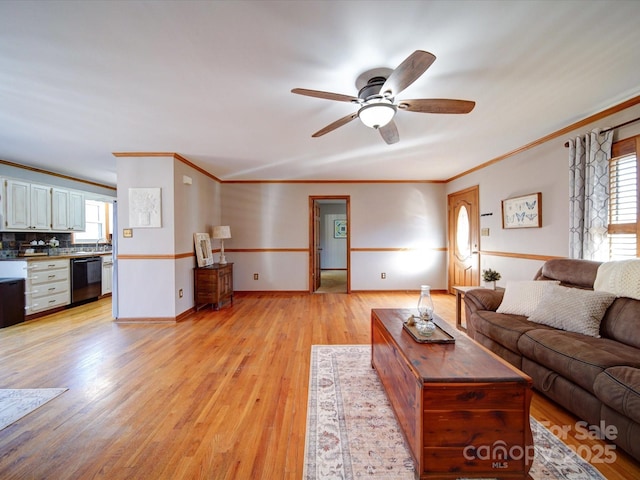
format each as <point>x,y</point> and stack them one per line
<point>462,428</point>
<point>488,463</point>
<point>475,395</point>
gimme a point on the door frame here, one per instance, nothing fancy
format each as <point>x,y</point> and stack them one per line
<point>313,202</point>
<point>474,233</point>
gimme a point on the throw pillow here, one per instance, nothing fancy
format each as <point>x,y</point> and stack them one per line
<point>573,309</point>
<point>522,298</point>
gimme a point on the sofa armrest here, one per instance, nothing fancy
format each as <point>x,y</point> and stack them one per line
<point>480,299</point>
<point>483,299</point>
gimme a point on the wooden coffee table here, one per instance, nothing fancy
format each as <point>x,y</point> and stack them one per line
<point>464,411</point>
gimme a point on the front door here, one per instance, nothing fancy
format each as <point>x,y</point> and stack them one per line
<point>464,238</point>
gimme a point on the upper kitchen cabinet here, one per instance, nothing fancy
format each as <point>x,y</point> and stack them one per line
<point>27,206</point>
<point>68,210</point>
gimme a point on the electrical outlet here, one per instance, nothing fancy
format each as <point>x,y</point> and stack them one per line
<point>383,275</point>
<point>256,276</point>
<point>180,293</point>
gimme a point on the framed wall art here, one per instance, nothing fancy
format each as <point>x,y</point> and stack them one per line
<point>145,210</point>
<point>339,229</point>
<point>522,212</point>
<point>202,244</point>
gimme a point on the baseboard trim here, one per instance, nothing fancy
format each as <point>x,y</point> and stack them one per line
<point>148,320</point>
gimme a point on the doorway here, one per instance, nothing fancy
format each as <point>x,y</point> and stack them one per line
<point>464,221</point>
<point>329,244</point>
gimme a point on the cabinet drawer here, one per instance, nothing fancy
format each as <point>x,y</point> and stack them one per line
<point>41,290</point>
<point>37,278</point>
<point>47,302</point>
<point>44,265</point>
<point>207,282</point>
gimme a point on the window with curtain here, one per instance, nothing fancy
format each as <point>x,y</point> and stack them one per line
<point>624,200</point>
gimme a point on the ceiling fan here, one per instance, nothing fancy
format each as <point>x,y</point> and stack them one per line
<point>376,100</point>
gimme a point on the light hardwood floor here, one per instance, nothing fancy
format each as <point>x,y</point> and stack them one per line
<point>221,395</point>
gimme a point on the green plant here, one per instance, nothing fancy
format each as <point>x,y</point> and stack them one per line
<point>489,275</point>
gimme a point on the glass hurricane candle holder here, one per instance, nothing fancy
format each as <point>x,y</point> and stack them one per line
<point>425,303</point>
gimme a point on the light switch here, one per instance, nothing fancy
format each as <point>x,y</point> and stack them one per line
<point>484,232</point>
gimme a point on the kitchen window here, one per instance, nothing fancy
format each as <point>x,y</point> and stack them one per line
<point>98,219</point>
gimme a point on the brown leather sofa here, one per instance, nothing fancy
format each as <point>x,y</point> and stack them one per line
<point>597,379</point>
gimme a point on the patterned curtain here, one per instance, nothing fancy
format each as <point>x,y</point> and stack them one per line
<point>589,157</point>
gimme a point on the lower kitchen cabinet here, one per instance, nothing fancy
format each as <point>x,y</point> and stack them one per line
<point>48,285</point>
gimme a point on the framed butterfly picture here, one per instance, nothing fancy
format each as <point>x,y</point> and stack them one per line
<point>522,212</point>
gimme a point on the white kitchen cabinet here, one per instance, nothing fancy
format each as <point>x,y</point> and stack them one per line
<point>27,206</point>
<point>67,210</point>
<point>107,274</point>
<point>47,281</point>
<point>48,284</point>
<point>77,219</point>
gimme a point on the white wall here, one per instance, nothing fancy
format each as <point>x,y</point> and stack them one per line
<point>399,229</point>
<point>156,263</point>
<point>543,168</point>
<point>396,228</point>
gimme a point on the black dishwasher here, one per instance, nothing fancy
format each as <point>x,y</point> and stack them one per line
<point>86,279</point>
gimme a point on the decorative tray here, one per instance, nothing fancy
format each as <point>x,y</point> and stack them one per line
<point>438,336</point>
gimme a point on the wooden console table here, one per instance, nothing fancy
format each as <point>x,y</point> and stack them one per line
<point>213,285</point>
<point>464,411</point>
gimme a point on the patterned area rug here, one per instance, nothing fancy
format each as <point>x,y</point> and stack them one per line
<point>16,403</point>
<point>352,431</point>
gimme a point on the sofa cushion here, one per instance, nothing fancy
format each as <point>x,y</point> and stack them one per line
<point>579,358</point>
<point>619,388</point>
<point>503,328</point>
<point>622,322</point>
<point>572,309</point>
<point>522,298</point>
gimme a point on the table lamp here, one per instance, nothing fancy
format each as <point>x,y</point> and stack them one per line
<point>222,232</point>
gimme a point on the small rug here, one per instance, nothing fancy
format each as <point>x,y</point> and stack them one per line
<point>16,403</point>
<point>352,431</point>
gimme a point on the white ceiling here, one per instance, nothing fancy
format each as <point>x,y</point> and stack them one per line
<point>211,80</point>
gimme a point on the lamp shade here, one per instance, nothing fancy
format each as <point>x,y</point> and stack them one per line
<point>376,115</point>
<point>222,231</point>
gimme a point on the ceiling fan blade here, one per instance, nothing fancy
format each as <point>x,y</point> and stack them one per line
<point>336,124</point>
<point>407,72</point>
<point>390,133</point>
<point>437,105</point>
<point>326,95</point>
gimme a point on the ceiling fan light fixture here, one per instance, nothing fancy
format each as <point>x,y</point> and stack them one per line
<point>376,115</point>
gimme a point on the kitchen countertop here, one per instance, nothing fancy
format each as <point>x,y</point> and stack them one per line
<point>61,255</point>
